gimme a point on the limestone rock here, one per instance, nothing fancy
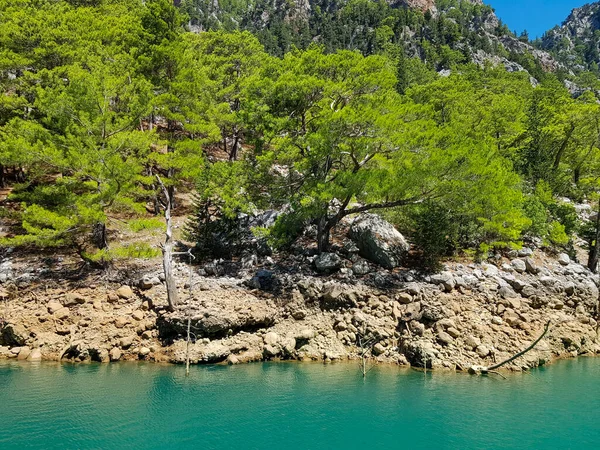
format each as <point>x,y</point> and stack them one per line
<point>53,306</point>
<point>378,349</point>
<point>115,354</point>
<point>13,335</point>
<point>24,353</point>
<point>378,240</point>
<point>62,313</point>
<point>564,259</point>
<point>446,279</point>
<point>519,265</point>
<point>35,355</point>
<point>125,292</point>
<point>483,351</point>
<point>444,338</point>
<point>420,354</point>
<point>271,338</point>
<point>126,342</point>
<point>532,268</point>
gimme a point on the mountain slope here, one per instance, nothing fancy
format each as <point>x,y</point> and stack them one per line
<point>441,33</point>
<point>576,43</point>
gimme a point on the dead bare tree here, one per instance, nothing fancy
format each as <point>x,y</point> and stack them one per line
<point>366,346</point>
<point>492,369</point>
<point>167,250</point>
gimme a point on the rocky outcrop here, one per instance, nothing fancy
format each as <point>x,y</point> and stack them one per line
<point>378,240</point>
<point>579,29</point>
<point>226,316</point>
<point>464,316</point>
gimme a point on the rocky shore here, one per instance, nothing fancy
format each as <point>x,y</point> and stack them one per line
<point>466,315</point>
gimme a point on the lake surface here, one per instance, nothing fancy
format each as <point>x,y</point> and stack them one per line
<point>295,406</point>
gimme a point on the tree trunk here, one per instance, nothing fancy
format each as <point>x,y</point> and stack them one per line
<point>323,233</point>
<point>171,188</point>
<point>99,237</point>
<point>167,251</point>
<point>595,244</point>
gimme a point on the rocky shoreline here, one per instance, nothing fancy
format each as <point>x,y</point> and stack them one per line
<point>468,315</point>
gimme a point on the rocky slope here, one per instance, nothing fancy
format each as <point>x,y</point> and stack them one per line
<point>466,26</point>
<point>468,315</point>
<point>576,43</point>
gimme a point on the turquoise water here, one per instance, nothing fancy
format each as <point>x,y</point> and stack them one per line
<point>295,406</point>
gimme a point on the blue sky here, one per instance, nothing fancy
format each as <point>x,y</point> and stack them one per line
<point>535,16</point>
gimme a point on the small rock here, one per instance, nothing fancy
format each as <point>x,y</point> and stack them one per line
<point>413,288</point>
<point>497,320</point>
<point>519,265</point>
<point>62,314</point>
<point>507,292</point>
<point>306,334</point>
<point>532,268</point>
<point>35,355</point>
<point>124,292</point>
<point>53,306</point>
<point>361,267</point>
<point>524,252</point>
<point>73,298</point>
<point>271,338</point>
<point>328,262</point>
<point>299,314</point>
<point>404,298</point>
<point>378,349</point>
<point>444,338</point>
<point>138,315</point>
<point>115,354</point>
<point>564,259</point>
<point>528,291</point>
<point>144,351</point>
<point>453,332</point>
<point>148,282</point>
<point>482,350</point>
<point>126,342</point>
<point>120,322</point>
<point>472,341</point>
<point>446,279</point>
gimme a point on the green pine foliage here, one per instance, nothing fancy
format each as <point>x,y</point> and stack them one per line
<point>319,116</point>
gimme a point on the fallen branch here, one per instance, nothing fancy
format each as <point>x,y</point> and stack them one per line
<point>491,369</point>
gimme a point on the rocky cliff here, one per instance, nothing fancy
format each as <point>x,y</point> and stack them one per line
<point>576,43</point>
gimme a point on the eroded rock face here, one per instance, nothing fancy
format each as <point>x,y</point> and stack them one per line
<point>13,335</point>
<point>217,320</point>
<point>378,241</point>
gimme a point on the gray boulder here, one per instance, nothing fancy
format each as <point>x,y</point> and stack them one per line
<point>328,262</point>
<point>564,259</point>
<point>378,241</point>
<point>446,279</point>
<point>519,265</point>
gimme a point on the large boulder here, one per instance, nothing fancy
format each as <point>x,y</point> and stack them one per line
<point>378,240</point>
